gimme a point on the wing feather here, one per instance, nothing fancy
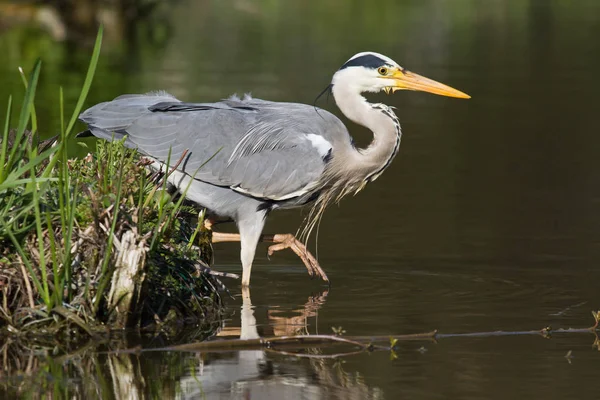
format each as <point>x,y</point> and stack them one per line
<point>258,148</point>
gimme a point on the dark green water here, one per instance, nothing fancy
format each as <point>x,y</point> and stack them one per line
<point>489,219</point>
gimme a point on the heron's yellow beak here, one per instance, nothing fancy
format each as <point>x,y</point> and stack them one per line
<point>406,80</point>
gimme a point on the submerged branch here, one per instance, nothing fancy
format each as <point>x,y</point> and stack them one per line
<point>277,344</point>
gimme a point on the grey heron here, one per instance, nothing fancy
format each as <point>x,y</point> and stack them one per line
<point>269,155</point>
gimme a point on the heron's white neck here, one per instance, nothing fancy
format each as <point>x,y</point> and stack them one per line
<point>380,119</point>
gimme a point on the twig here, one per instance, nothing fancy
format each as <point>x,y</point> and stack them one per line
<point>314,339</point>
<point>363,342</point>
<point>210,271</point>
<point>116,241</point>
<point>174,167</point>
<point>27,284</point>
<point>68,315</point>
<point>545,332</point>
<point>104,212</point>
<point>407,337</point>
<point>317,356</point>
<point>291,342</point>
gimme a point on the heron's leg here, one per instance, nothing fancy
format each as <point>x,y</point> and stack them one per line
<point>218,237</point>
<point>250,230</point>
<point>282,241</point>
<point>288,241</point>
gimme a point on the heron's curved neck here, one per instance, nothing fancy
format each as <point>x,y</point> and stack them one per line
<point>381,120</point>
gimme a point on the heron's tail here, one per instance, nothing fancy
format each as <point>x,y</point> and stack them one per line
<point>105,134</point>
<point>111,120</point>
<point>102,133</point>
<point>84,134</point>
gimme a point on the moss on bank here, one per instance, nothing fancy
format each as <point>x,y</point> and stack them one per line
<point>112,195</point>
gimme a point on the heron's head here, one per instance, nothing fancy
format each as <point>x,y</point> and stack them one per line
<point>374,72</point>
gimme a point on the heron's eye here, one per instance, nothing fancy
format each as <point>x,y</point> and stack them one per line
<point>382,70</point>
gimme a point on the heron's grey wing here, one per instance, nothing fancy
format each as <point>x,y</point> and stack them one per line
<point>162,127</point>
<point>283,154</point>
<point>268,150</point>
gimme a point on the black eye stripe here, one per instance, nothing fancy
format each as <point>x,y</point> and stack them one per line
<point>368,61</point>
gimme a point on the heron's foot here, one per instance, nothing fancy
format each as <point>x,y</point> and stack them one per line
<point>289,241</point>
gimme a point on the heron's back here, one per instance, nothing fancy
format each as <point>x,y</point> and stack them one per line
<point>268,150</point>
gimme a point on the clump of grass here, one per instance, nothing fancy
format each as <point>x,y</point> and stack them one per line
<point>62,222</point>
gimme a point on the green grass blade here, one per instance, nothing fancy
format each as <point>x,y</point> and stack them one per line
<point>34,124</point>
<point>201,216</point>
<point>179,203</point>
<point>68,234</point>
<point>142,192</point>
<point>63,185</point>
<point>58,281</point>
<point>61,102</point>
<point>15,215</point>
<point>4,143</point>
<point>88,80</point>
<point>9,181</point>
<point>40,236</point>
<point>25,181</point>
<point>161,204</point>
<point>25,113</point>
<point>111,234</point>
<point>87,83</point>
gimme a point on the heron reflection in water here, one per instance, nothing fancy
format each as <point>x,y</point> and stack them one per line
<point>265,155</point>
<point>267,373</point>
